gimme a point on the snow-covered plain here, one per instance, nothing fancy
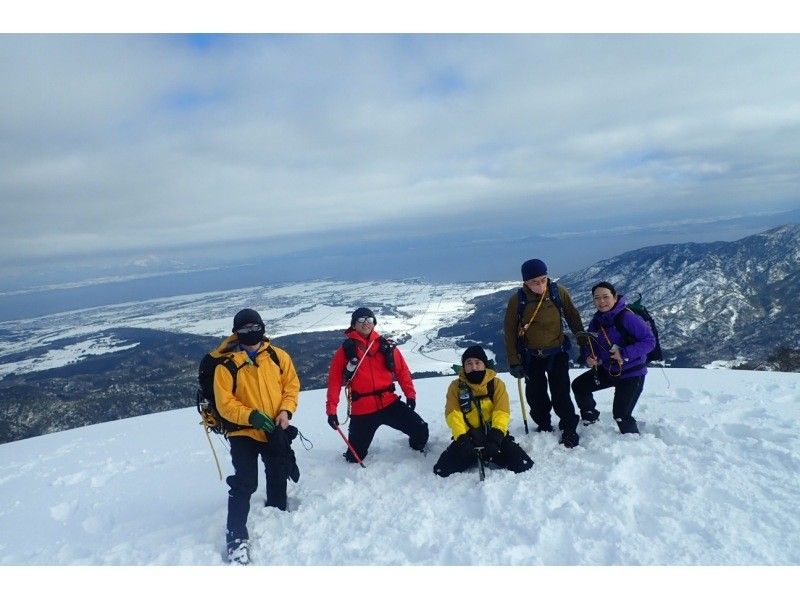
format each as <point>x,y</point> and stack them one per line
<point>713,480</point>
<point>410,310</point>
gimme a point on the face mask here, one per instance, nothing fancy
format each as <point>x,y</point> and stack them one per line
<point>250,338</point>
<point>475,376</point>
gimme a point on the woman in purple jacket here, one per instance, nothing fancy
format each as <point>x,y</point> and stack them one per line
<point>619,341</point>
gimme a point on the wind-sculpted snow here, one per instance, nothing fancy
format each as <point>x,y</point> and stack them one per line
<point>712,480</point>
<point>411,311</point>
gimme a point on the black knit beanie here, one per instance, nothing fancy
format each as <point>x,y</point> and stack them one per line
<point>477,352</point>
<point>362,312</point>
<point>533,269</point>
<point>245,317</point>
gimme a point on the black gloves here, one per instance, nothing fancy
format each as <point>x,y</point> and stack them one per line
<point>493,441</point>
<point>411,402</point>
<point>518,371</point>
<point>282,455</point>
<point>477,437</point>
<point>333,421</point>
<point>464,447</point>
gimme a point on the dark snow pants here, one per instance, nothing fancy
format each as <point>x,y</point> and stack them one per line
<point>245,452</point>
<point>398,415</point>
<point>460,456</point>
<point>626,394</point>
<point>552,370</point>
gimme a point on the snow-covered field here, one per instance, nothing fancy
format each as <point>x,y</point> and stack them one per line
<point>713,480</point>
<point>413,310</point>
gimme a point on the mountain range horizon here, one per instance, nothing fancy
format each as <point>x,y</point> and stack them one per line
<point>725,304</point>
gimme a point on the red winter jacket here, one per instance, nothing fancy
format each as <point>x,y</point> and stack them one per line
<point>371,375</point>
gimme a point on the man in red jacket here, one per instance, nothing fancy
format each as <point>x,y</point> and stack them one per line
<point>368,365</point>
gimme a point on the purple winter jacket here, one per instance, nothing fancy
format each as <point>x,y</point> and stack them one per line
<point>634,355</point>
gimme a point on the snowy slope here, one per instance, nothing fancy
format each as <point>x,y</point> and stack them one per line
<point>713,480</point>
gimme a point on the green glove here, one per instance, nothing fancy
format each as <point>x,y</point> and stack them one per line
<point>262,422</point>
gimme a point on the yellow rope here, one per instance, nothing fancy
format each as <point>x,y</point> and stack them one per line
<point>213,452</point>
<point>524,329</point>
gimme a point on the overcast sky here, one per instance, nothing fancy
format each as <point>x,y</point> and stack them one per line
<point>218,146</point>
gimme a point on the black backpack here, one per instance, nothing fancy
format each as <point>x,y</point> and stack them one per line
<point>640,310</point>
<point>206,403</point>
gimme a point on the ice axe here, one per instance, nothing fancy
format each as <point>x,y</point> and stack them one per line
<point>350,447</point>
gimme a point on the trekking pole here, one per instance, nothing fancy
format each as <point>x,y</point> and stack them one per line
<point>664,372</point>
<point>481,469</point>
<point>589,336</point>
<point>522,404</point>
<point>350,446</point>
<point>213,452</point>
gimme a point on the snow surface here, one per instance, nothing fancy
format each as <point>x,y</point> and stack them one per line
<point>712,480</point>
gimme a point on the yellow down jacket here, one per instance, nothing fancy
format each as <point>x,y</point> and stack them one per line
<point>496,412</point>
<point>260,385</point>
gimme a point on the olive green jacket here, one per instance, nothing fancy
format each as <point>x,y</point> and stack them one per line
<point>545,330</point>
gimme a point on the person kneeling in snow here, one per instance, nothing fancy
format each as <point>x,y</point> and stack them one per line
<point>260,399</point>
<point>368,364</point>
<point>478,413</point>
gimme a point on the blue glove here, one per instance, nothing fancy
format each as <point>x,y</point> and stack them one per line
<point>333,421</point>
<point>518,371</point>
<point>411,402</point>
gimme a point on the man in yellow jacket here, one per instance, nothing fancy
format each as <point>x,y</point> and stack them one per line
<point>478,413</point>
<point>260,398</point>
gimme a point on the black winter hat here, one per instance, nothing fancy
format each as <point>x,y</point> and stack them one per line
<point>533,269</point>
<point>362,312</point>
<point>477,352</point>
<point>245,317</point>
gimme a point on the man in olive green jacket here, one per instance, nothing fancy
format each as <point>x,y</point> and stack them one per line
<point>537,349</point>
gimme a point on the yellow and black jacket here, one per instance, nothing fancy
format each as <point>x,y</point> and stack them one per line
<point>496,412</point>
<point>260,385</point>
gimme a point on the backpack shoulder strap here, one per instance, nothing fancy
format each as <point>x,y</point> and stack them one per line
<point>231,367</point>
<point>228,364</point>
<point>555,297</point>
<point>522,301</point>
<point>274,356</point>
<point>619,324</point>
<point>387,347</point>
<point>349,347</point>
<point>490,389</point>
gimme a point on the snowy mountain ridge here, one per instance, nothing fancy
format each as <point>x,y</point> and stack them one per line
<point>728,300</point>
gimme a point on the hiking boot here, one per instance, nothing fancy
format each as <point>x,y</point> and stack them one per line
<point>544,428</point>
<point>348,456</point>
<point>239,552</point>
<point>590,416</point>
<point>569,439</point>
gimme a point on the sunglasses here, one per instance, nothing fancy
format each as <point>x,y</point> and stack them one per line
<point>367,319</point>
<point>250,328</point>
